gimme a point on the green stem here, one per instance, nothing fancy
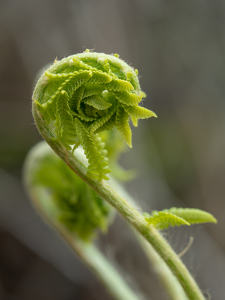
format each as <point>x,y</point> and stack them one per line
<point>125,209</point>
<point>87,252</point>
<point>168,280</point>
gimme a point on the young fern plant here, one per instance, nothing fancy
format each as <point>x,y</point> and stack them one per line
<point>88,93</point>
<point>78,214</point>
<point>85,94</point>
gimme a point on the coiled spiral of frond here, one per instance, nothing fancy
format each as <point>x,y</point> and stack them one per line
<point>87,93</point>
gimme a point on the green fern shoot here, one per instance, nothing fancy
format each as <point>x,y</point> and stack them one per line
<point>85,94</point>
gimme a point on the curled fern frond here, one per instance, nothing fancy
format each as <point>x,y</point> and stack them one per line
<point>100,91</point>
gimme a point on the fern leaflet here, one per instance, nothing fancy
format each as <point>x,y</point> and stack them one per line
<point>191,215</point>
<point>75,81</point>
<point>59,76</point>
<point>139,112</point>
<point>91,89</point>
<point>97,102</point>
<point>101,121</point>
<point>128,98</point>
<point>99,77</point>
<point>97,165</point>
<point>65,128</point>
<point>119,85</point>
<point>122,125</point>
<point>163,220</point>
<point>76,97</point>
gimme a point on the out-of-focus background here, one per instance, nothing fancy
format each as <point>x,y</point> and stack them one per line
<point>179,49</point>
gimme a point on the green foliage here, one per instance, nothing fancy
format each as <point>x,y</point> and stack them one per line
<point>100,91</point>
<point>122,125</point>
<point>64,120</point>
<point>191,215</point>
<point>92,149</point>
<point>101,121</point>
<point>115,145</point>
<point>97,102</point>
<point>78,207</point>
<point>163,220</point>
<point>139,112</point>
<point>178,216</point>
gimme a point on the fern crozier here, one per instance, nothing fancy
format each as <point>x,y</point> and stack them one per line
<point>85,94</point>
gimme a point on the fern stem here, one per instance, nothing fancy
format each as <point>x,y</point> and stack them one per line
<point>125,209</point>
<point>87,252</point>
<point>168,280</point>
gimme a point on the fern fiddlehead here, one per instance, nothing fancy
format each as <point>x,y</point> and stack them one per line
<point>85,94</point>
<point>77,207</point>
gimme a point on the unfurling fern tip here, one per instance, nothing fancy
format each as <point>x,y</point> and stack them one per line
<point>85,94</point>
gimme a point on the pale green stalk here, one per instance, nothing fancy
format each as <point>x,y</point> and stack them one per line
<point>168,280</point>
<point>134,218</point>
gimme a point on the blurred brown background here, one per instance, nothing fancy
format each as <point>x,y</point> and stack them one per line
<point>179,49</point>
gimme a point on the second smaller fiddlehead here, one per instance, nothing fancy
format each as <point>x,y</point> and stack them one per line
<point>76,206</point>
<point>75,211</point>
<point>85,94</point>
